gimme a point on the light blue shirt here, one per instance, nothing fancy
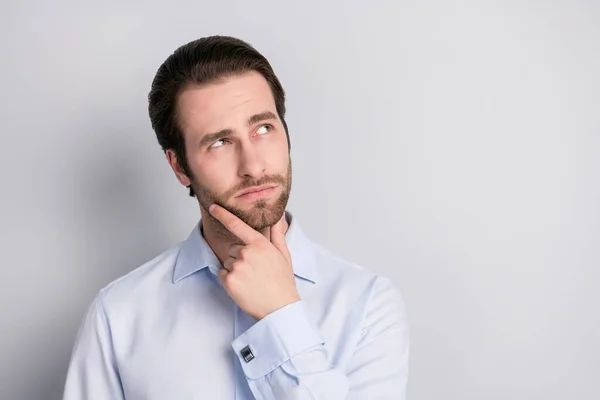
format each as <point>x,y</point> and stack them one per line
<point>169,331</point>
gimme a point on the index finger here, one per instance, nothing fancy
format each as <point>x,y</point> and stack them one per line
<point>235,225</point>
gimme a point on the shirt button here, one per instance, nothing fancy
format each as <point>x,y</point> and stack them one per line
<point>247,354</point>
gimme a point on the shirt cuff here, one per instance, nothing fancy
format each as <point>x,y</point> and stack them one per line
<point>276,338</point>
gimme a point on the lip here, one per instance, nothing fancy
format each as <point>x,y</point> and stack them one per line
<point>256,190</point>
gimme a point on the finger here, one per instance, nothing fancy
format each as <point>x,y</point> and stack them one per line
<point>228,264</point>
<point>234,251</point>
<point>280,226</point>
<point>278,237</point>
<point>222,274</point>
<point>235,225</point>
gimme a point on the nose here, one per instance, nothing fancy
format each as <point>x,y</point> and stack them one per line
<point>252,164</point>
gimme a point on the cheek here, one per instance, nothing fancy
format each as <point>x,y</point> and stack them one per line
<point>284,161</point>
<point>279,163</point>
<point>213,176</point>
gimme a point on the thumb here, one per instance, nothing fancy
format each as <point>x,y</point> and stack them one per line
<point>278,237</point>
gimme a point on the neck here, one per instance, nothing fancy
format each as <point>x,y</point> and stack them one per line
<point>219,238</point>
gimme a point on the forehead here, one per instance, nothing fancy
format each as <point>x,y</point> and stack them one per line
<point>224,104</point>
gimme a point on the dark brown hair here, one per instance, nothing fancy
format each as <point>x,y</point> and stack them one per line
<point>197,63</point>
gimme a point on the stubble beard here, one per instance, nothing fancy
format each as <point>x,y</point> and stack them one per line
<point>262,214</point>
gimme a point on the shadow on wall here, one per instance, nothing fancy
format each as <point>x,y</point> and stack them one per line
<point>111,224</point>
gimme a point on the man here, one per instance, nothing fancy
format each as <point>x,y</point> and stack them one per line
<point>247,307</point>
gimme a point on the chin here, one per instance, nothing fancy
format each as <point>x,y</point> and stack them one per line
<point>259,215</point>
<point>262,218</point>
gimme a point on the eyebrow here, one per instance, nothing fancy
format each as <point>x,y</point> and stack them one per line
<point>263,116</point>
<point>213,137</point>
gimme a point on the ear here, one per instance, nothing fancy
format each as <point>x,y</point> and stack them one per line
<point>174,163</point>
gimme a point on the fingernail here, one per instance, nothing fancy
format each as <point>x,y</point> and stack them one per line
<point>211,208</point>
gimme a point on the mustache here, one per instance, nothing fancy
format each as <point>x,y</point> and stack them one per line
<point>268,179</point>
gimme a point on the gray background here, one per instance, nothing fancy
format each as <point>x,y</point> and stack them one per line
<point>452,146</point>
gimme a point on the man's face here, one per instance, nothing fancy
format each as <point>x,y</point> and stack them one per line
<point>237,148</point>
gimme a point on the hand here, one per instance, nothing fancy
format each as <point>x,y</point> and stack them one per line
<point>258,274</point>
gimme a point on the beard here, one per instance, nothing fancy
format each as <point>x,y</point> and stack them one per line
<point>262,213</point>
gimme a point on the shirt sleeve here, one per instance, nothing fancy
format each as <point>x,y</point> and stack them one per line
<point>378,368</point>
<point>289,360</point>
<point>92,370</point>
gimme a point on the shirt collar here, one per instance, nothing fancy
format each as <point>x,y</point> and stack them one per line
<point>195,254</point>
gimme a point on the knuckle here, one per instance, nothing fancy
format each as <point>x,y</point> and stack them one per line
<point>236,265</point>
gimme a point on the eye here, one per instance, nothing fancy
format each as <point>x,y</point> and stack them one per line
<point>264,129</point>
<point>218,143</point>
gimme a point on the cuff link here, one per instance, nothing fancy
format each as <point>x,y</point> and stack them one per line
<point>247,354</point>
